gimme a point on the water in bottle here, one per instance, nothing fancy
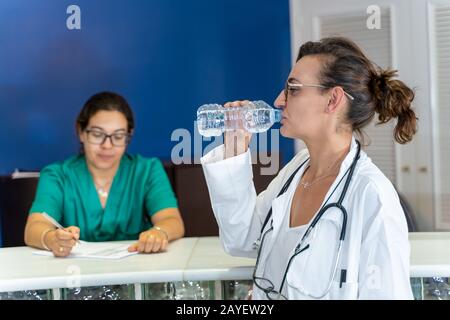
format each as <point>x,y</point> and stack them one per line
<point>257,116</point>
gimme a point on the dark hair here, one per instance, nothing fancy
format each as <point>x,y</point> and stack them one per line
<point>107,101</point>
<point>374,90</point>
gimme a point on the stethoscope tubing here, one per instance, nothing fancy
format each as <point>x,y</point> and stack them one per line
<point>321,212</point>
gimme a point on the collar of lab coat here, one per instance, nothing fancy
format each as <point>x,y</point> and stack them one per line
<point>278,215</point>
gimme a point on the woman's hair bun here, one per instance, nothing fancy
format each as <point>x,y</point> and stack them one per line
<point>393,99</point>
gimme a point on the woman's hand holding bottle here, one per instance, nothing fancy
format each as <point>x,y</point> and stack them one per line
<point>236,141</point>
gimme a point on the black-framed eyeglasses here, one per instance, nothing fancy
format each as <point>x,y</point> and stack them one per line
<point>268,288</point>
<point>290,87</point>
<point>118,139</point>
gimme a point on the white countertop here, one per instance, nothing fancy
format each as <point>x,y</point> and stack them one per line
<point>209,261</point>
<point>430,254</point>
<point>192,259</point>
<point>185,259</point>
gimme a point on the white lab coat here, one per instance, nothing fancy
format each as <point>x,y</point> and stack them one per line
<point>376,248</point>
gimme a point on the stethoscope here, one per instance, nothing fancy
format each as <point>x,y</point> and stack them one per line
<point>301,247</point>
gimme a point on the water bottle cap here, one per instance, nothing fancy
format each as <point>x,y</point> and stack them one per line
<point>276,115</point>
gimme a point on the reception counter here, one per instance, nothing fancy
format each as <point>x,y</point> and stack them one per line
<point>186,260</point>
<point>430,254</point>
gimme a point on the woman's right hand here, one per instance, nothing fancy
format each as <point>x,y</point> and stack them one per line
<point>236,141</point>
<point>62,241</point>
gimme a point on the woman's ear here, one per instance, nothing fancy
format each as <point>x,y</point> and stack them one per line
<point>80,134</point>
<point>130,134</point>
<point>335,100</point>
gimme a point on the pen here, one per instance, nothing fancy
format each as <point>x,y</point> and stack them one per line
<point>55,223</point>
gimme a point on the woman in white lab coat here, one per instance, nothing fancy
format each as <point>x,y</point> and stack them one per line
<point>332,92</point>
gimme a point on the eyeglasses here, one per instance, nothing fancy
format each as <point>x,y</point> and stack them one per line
<point>297,86</point>
<point>268,288</point>
<point>118,139</point>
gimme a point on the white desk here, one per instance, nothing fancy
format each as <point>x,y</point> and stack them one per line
<point>209,261</point>
<point>193,259</point>
<point>430,254</point>
<point>186,259</point>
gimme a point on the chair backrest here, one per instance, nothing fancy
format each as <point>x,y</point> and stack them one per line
<point>194,201</point>
<point>16,197</point>
<point>188,182</point>
<point>409,213</point>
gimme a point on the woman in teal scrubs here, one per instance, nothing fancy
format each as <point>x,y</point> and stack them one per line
<point>104,194</point>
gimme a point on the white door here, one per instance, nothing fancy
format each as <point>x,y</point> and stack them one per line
<point>389,42</point>
<point>438,48</point>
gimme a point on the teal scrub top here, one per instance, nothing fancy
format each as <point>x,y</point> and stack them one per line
<point>140,188</point>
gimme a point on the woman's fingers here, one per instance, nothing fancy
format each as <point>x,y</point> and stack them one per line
<point>236,141</point>
<point>141,242</point>
<point>63,234</point>
<point>133,247</point>
<point>61,251</point>
<point>64,240</point>
<point>237,103</point>
<point>149,243</point>
<point>75,231</point>
<point>67,243</point>
<point>164,245</point>
<point>156,245</point>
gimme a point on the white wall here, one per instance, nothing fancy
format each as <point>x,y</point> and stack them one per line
<point>407,42</point>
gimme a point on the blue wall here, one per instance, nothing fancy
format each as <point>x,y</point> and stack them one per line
<point>167,57</point>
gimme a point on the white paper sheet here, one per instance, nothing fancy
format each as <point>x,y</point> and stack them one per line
<point>95,250</point>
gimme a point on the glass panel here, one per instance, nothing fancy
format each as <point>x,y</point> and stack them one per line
<point>194,290</point>
<point>182,290</point>
<point>237,290</point>
<point>112,292</point>
<point>436,288</point>
<point>159,291</point>
<point>27,295</point>
<point>417,288</point>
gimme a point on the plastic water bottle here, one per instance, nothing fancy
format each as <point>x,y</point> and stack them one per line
<point>257,116</point>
